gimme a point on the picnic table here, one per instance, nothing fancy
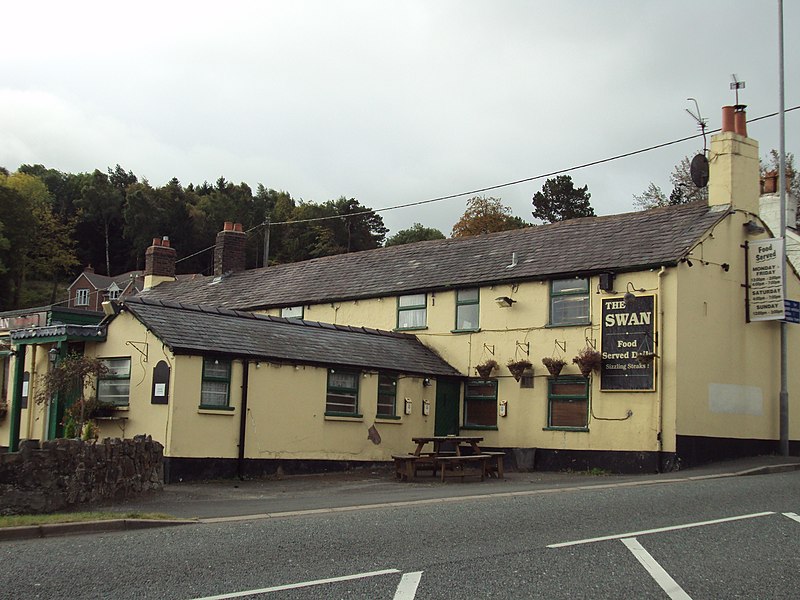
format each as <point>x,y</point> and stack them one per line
<point>450,455</point>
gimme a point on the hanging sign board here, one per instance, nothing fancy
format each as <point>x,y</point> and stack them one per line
<point>628,341</point>
<point>765,280</point>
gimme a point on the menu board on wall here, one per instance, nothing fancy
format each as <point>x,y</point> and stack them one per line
<point>765,280</point>
<point>628,335</point>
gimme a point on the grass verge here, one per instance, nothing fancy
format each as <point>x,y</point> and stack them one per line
<point>23,520</point>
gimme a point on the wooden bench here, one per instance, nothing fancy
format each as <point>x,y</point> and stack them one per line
<point>494,466</point>
<point>455,465</point>
<point>404,466</point>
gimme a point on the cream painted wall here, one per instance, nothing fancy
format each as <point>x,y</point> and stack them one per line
<point>125,334</point>
<point>514,333</point>
<point>727,365</point>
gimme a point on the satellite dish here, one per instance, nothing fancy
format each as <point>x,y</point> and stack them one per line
<point>699,170</point>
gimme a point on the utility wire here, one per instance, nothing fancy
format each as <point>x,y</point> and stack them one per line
<point>494,187</point>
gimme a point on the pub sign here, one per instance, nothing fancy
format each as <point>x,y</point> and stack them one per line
<point>628,331</point>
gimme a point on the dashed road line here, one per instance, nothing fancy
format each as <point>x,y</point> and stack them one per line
<point>793,516</point>
<point>304,584</point>
<point>407,588</point>
<point>630,534</point>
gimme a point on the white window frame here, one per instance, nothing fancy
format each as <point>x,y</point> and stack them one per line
<point>82,297</point>
<point>114,387</point>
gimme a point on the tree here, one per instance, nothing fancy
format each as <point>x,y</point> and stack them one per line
<point>415,233</point>
<point>101,205</point>
<point>683,189</point>
<point>486,215</point>
<point>560,200</point>
<point>772,165</point>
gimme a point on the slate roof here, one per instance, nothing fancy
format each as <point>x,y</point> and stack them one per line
<point>205,330</point>
<point>103,282</point>
<point>618,243</point>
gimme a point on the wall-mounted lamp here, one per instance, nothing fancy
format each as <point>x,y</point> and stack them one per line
<point>753,228</point>
<point>52,355</point>
<point>629,296</point>
<point>426,382</point>
<point>504,301</point>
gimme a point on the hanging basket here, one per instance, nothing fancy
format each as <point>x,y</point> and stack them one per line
<point>485,369</point>
<point>554,365</point>
<point>518,368</point>
<point>588,360</point>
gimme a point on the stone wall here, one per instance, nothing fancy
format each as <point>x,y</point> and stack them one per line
<point>64,474</point>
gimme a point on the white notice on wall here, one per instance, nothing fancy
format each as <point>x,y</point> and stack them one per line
<point>160,389</point>
<point>24,389</point>
<point>765,279</point>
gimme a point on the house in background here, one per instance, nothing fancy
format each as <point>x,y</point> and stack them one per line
<point>90,289</point>
<point>294,364</point>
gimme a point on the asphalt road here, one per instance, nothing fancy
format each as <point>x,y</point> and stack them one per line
<point>465,548</point>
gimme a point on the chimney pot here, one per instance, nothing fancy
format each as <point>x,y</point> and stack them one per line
<point>228,226</point>
<point>740,120</point>
<point>165,241</point>
<point>727,119</point>
<point>156,241</point>
<point>237,227</point>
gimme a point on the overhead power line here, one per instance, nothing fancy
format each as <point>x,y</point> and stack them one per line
<point>494,187</point>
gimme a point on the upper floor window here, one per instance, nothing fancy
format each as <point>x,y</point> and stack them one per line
<point>569,301</point>
<point>82,297</point>
<point>467,308</point>
<point>114,387</point>
<point>342,397</point>
<point>113,293</point>
<point>387,395</point>
<point>292,312</point>
<point>412,311</point>
<point>215,390</point>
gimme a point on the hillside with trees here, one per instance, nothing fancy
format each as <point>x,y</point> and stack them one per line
<point>53,224</point>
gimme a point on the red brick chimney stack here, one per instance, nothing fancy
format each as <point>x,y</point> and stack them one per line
<point>159,259</point>
<point>229,252</point>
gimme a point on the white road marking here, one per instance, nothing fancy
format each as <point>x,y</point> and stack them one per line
<point>294,586</point>
<point>792,516</point>
<point>408,586</point>
<point>661,577</point>
<point>658,530</point>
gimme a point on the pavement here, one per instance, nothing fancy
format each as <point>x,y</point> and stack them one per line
<point>362,489</point>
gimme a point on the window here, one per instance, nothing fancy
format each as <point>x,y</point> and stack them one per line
<point>114,387</point>
<point>215,391</point>
<point>568,399</point>
<point>113,293</point>
<point>412,311</point>
<point>82,297</point>
<point>569,302</point>
<point>480,404</point>
<point>387,395</point>
<point>467,309</point>
<point>292,312</point>
<point>342,398</point>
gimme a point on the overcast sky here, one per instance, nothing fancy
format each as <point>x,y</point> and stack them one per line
<point>391,101</point>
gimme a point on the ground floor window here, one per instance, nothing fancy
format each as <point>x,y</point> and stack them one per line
<point>568,402</point>
<point>387,395</point>
<point>480,403</point>
<point>342,398</point>
<point>215,391</point>
<point>114,387</point>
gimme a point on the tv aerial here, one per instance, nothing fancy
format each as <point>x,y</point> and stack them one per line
<point>737,85</point>
<point>698,168</point>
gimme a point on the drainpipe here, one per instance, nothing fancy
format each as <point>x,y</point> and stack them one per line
<point>243,418</point>
<point>660,382</point>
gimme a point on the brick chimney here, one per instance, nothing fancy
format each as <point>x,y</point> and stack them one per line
<point>229,252</point>
<point>733,163</point>
<point>159,263</point>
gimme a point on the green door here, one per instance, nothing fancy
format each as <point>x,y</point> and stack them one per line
<point>448,394</point>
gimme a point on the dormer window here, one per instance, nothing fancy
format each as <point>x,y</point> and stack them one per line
<point>292,312</point>
<point>82,297</point>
